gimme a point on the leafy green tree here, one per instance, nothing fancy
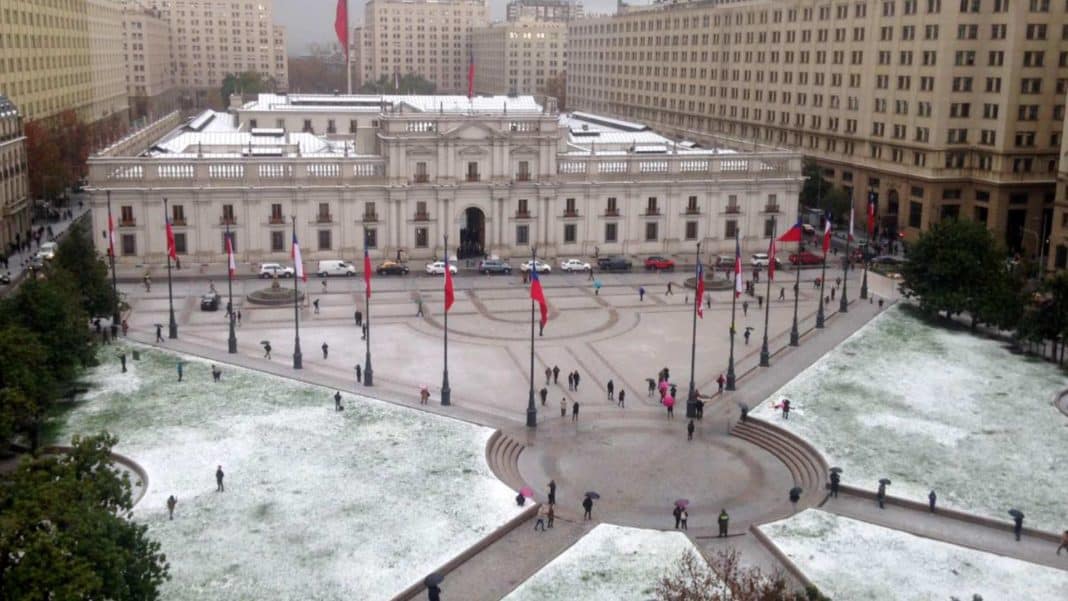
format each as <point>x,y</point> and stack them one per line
<point>26,384</point>
<point>77,256</point>
<point>411,83</point>
<point>815,186</point>
<point>248,83</point>
<point>65,531</point>
<point>836,200</point>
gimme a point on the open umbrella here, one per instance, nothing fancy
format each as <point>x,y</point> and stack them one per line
<point>1016,513</point>
<point>682,502</point>
<point>265,342</point>
<point>885,481</point>
<point>433,579</point>
<point>592,495</point>
<point>597,284</point>
<point>743,406</point>
<point>663,385</point>
<point>526,491</point>
<point>836,470</point>
<point>669,401</point>
<point>795,491</point>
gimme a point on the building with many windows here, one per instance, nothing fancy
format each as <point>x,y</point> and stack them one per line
<point>107,61</point>
<point>497,174</point>
<point>150,71</point>
<point>14,187</point>
<point>518,57</point>
<point>544,10</point>
<point>935,108</point>
<point>430,38</point>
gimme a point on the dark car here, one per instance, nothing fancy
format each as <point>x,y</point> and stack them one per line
<point>806,258</point>
<point>615,264</point>
<point>210,302</point>
<point>601,261</point>
<point>658,263</point>
<point>494,266</point>
<point>392,268</point>
<point>889,260</point>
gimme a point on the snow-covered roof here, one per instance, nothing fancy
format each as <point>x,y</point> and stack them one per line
<point>588,133</point>
<point>375,103</point>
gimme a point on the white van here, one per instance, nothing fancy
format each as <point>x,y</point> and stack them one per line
<point>335,267</point>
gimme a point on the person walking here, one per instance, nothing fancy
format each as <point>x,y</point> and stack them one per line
<point>148,283</point>
<point>724,521</point>
<point>544,393</point>
<point>782,293</point>
<point>337,401</point>
<point>159,332</point>
<point>266,350</point>
<point>172,501</point>
<point>721,381</point>
<point>587,506</point>
<point>216,373</point>
<point>619,402</point>
<point>323,282</point>
<point>1017,524</point>
<point>219,480</point>
<point>669,292</point>
<point>552,492</point>
<point>745,308</point>
<point>122,359</point>
<point>326,349</point>
<point>880,496</point>
<point>543,511</point>
<point>419,307</point>
<point>556,374</point>
<point>363,331</point>
<point>932,498</point>
<point>708,300</point>
<point>239,318</point>
<point>689,430</point>
<point>548,376</point>
<point>677,512</point>
<point>786,408</point>
<point>836,479</point>
<point>563,407</point>
<point>359,374</point>
<point>433,593</point>
<point>551,514</point>
<point>315,303</point>
<point>641,293</point>
<point>652,386</point>
<point>179,371</point>
<point>358,318</point>
<point>748,332</point>
<point>1064,542</point>
<point>424,395</point>
<point>576,380</point>
<point>685,515</point>
<point>611,390</point>
<point>570,380</point>
<point>574,411</point>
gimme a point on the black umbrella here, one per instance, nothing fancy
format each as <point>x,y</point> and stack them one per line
<point>836,470</point>
<point>593,495</point>
<point>743,407</point>
<point>796,491</point>
<point>265,342</point>
<point>433,579</point>
<point>885,481</point>
<point>1016,513</point>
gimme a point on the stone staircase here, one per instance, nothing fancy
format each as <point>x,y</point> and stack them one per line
<point>808,468</point>
<point>502,455</point>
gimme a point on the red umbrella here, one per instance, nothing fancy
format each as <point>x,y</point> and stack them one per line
<point>669,401</point>
<point>526,491</point>
<point>663,385</point>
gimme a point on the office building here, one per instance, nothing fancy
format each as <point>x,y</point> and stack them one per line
<point>518,57</point>
<point>14,186</point>
<point>150,71</point>
<point>544,10</point>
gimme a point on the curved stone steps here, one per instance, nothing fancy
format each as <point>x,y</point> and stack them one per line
<point>799,469</point>
<point>806,465</point>
<point>502,455</point>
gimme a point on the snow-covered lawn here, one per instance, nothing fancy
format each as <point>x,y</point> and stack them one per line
<point>933,408</point>
<point>857,561</point>
<point>319,504</point>
<point>611,563</point>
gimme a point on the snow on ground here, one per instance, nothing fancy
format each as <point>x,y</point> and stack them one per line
<point>610,563</point>
<point>319,504</point>
<point>848,559</point>
<point>935,408</point>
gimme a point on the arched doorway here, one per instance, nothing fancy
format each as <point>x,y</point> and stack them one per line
<point>472,234</point>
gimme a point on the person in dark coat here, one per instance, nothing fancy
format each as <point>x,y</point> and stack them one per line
<point>587,506</point>
<point>724,521</point>
<point>172,501</point>
<point>574,411</point>
<point>179,371</point>
<point>576,380</point>
<point>216,373</point>
<point>552,492</point>
<point>544,393</point>
<point>689,430</point>
<point>326,349</point>
<point>570,381</point>
<point>1017,525</point>
<point>359,373</point>
<point>880,496</point>
<point>122,359</point>
<point>556,374</point>
<point>358,318</point>
<point>337,401</point>
<point>219,480</point>
<point>836,479</point>
<point>159,332</point>
<point>520,500</point>
<point>433,593</point>
<point>267,350</point>
<point>721,381</point>
<point>678,516</point>
<point>611,390</point>
<point>786,408</point>
<point>622,395</point>
<point>932,498</point>
<point>795,496</point>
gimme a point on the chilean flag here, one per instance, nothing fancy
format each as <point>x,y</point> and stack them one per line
<point>871,214</point>
<point>739,286</point>
<point>700,288</point>
<point>230,255</point>
<point>367,271</point>
<point>850,224</point>
<point>827,234</point>
<point>111,234</point>
<point>341,26</point>
<point>793,234</point>
<point>537,294</point>
<point>450,294</point>
<point>172,250</point>
<point>471,76</point>
<point>298,263</point>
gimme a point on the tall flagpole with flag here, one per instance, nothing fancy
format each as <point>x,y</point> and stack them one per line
<point>820,314</point>
<point>843,304</point>
<point>871,239</point>
<point>172,253</point>
<point>341,28</point>
<point>765,354</point>
<point>450,298</point>
<point>368,374</point>
<point>115,317</point>
<point>691,398</point>
<point>537,294</point>
<point>298,275</point>
<point>231,271</point>
<point>738,289</point>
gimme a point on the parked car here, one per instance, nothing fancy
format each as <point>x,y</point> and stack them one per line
<point>393,268</point>
<point>602,261</point>
<point>889,260</point>
<point>806,258</point>
<point>616,264</point>
<point>542,267</point>
<point>438,268</point>
<point>659,263</point>
<point>268,270</point>
<point>570,265</point>
<point>47,250</point>
<point>488,266</point>
<point>724,260</point>
<point>210,301</point>
<point>335,267</point>
<point>761,260</point>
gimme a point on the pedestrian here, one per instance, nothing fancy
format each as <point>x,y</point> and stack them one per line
<point>576,380</point>
<point>836,479</point>
<point>363,331</point>
<point>323,282</point>
<point>786,408</point>
<point>125,328</point>
<point>1064,542</point>
<point>746,334</point>
<point>641,293</point>
<point>745,413</point>
<point>548,376</point>
<point>563,407</point>
<point>611,390</point>
<point>677,512</point>
<point>358,318</point>
<point>159,332</point>
<point>745,308</point>
<point>337,401</point>
<point>760,302</point>
<point>172,501</point>
<point>148,283</point>
<point>570,380</point>
<point>239,317</point>
<point>619,403</point>
<point>219,480</point>
<point>1017,524</point>
<point>880,303</point>
<point>669,292</point>
<point>932,498</point>
<point>652,386</point>
<point>551,514</point>
<point>122,359</point>
<point>685,516</point>
<point>689,430</point>
<point>433,593</point>
<point>721,381</point>
<point>556,374</point>
<point>724,521</point>
<point>315,303</point>
<point>419,307</point>
<point>587,506</point>
<point>674,391</point>
<point>880,496</point>
<point>424,395</point>
<point>708,300</point>
<point>544,392</point>
<point>574,411</point>
<point>552,492</point>
<point>832,292</point>
<point>543,511</point>
<point>359,373</point>
<point>782,293</point>
<point>520,500</point>
<point>179,371</point>
<point>266,350</point>
<point>326,349</point>
<point>216,373</point>
<point>795,495</point>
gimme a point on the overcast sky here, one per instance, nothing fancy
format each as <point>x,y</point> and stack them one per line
<point>310,21</point>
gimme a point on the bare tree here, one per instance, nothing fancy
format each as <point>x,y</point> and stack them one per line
<point>724,578</point>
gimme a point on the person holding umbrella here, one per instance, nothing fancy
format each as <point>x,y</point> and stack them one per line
<point>1017,522</point>
<point>587,505</point>
<point>669,402</point>
<point>795,496</point>
<point>880,496</point>
<point>432,581</point>
<point>677,512</point>
<point>684,516</point>
<point>836,479</point>
<point>596,286</point>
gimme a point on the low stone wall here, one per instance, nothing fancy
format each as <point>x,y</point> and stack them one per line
<point>787,563</point>
<point>1060,401</point>
<point>138,492</point>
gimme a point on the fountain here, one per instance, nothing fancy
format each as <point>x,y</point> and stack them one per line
<point>274,295</point>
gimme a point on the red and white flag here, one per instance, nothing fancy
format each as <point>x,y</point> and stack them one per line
<point>298,263</point>
<point>341,26</point>
<point>871,215</point>
<point>700,288</point>
<point>367,271</point>
<point>827,234</point>
<point>850,224</point>
<point>537,294</point>
<point>450,294</point>
<point>230,255</point>
<point>111,234</point>
<point>739,285</point>
<point>172,250</point>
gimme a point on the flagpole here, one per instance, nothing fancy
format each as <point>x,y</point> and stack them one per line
<point>232,341</point>
<point>691,398</point>
<point>446,392</point>
<point>368,374</point>
<point>298,358</point>
<point>172,326</point>
<point>820,315</point>
<point>348,50</point>
<point>795,336</point>
<point>765,355</point>
<point>843,305</point>
<point>734,304</point>
<point>864,255</point>
<point>532,409</point>
<point>115,317</point>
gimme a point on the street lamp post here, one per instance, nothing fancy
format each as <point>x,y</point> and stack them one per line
<point>795,335</point>
<point>368,375</point>
<point>232,340</point>
<point>115,317</point>
<point>734,302</point>
<point>843,304</point>
<point>298,358</point>
<point>172,325</point>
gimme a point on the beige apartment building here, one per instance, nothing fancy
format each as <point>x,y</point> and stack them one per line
<point>150,72</point>
<point>107,60</point>
<point>518,57</point>
<point>14,186</point>
<point>934,108</point>
<point>544,10</point>
<point>214,38</point>
<point>426,37</point>
<point>1057,250</point>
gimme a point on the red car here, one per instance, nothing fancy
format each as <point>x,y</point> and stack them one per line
<point>657,263</point>
<point>806,258</point>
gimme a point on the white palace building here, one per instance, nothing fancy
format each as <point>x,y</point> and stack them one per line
<point>499,174</point>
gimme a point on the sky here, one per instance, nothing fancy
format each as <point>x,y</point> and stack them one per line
<point>309,21</point>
